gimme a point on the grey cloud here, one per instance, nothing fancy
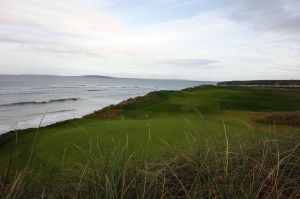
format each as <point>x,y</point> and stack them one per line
<point>17,38</point>
<point>70,51</point>
<point>43,27</point>
<point>271,15</point>
<point>206,63</point>
<point>45,46</point>
<point>8,39</point>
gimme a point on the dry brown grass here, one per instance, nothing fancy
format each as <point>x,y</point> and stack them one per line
<point>286,118</point>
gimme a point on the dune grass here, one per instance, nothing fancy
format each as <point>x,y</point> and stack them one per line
<point>195,143</point>
<point>264,167</point>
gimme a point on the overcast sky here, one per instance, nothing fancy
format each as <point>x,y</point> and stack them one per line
<point>177,39</point>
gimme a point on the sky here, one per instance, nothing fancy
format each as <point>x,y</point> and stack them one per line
<point>212,40</point>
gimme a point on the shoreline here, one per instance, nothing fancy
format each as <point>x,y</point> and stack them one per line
<point>132,100</point>
<point>24,130</point>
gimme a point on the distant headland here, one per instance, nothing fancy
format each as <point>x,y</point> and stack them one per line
<point>273,83</point>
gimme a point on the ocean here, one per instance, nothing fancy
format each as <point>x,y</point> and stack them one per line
<point>26,99</point>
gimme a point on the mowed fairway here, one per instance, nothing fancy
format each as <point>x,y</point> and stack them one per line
<point>156,123</point>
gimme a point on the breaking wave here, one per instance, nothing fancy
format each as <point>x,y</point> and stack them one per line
<point>40,102</point>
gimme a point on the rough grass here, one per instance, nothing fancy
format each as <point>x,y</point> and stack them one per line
<point>286,118</point>
<point>262,168</point>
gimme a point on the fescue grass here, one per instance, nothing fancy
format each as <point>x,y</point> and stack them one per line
<point>264,167</point>
<point>195,143</point>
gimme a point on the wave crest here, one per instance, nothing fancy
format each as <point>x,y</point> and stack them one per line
<point>39,102</point>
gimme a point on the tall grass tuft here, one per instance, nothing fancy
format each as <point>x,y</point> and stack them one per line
<point>264,167</point>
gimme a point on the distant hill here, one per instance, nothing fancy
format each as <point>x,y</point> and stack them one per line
<point>97,76</point>
<point>42,75</point>
<point>275,83</point>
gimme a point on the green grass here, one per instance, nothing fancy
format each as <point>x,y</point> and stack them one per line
<point>209,99</point>
<point>209,132</point>
<point>52,141</point>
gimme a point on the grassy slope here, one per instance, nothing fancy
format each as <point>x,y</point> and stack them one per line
<point>167,115</point>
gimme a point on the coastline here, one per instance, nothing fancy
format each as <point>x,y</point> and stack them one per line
<point>24,103</point>
<point>9,135</point>
<point>130,101</point>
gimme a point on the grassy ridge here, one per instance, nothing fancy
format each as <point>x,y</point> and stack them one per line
<point>148,146</point>
<point>208,100</point>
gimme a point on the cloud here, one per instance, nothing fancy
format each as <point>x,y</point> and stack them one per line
<point>281,16</point>
<point>58,24</point>
<point>18,40</point>
<point>202,63</point>
<point>234,39</point>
